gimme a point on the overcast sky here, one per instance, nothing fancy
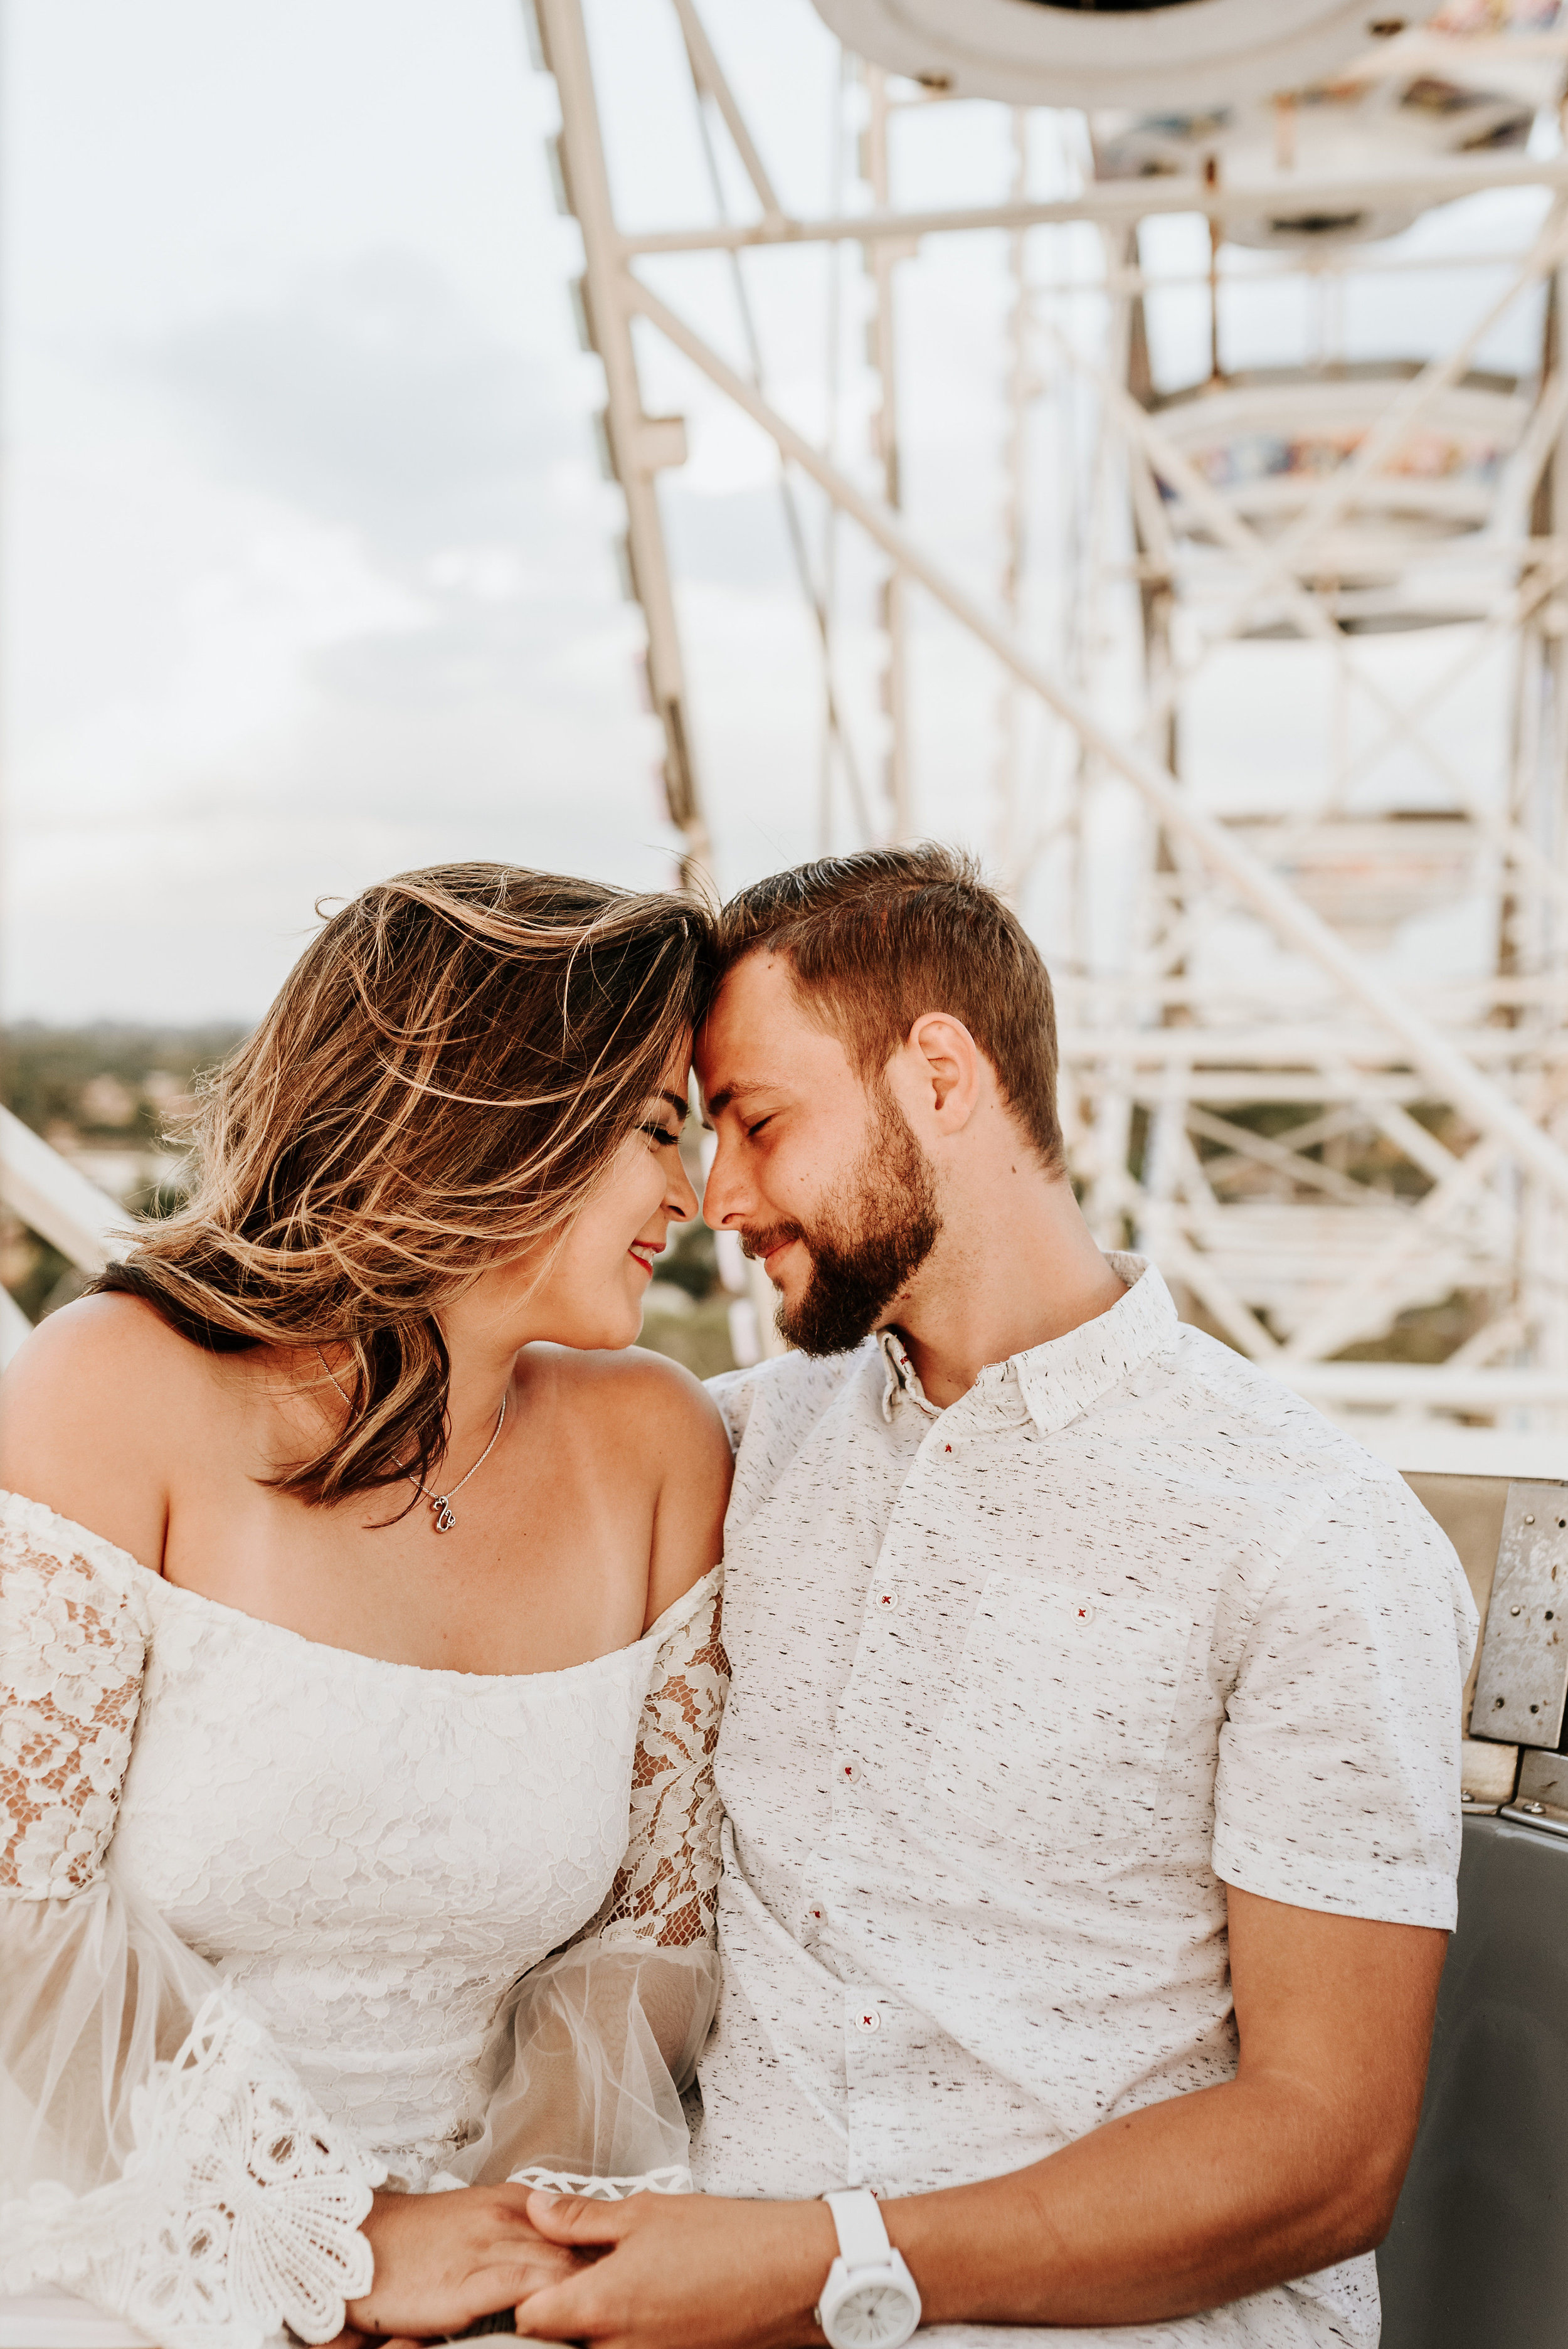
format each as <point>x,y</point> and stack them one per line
<point>308,569</point>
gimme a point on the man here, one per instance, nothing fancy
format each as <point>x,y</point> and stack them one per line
<point>1091,1761</point>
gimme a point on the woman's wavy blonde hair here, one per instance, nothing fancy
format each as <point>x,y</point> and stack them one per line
<point>446,1072</point>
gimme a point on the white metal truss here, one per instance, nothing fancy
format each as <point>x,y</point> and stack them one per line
<point>1314,1152</point>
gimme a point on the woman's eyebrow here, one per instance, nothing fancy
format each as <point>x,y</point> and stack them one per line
<point>679,1103</point>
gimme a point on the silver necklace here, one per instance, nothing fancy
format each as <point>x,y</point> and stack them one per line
<point>440,1503</point>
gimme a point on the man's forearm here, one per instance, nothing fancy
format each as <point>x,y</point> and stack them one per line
<point>1178,2208</point>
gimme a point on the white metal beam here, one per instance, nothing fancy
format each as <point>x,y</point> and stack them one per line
<point>639,444</point>
<point>14,1329</point>
<point>1476,1388</point>
<point>709,78</point>
<point>47,1194</point>
<point>1122,203</point>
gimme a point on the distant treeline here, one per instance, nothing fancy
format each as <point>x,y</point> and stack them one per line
<point>110,1081</point>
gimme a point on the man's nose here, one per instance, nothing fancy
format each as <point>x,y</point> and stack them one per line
<point>724,1197</point>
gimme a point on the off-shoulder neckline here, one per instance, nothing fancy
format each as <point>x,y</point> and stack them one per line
<point>17,1508</point>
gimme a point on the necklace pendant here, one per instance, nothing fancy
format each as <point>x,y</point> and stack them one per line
<point>444,1520</point>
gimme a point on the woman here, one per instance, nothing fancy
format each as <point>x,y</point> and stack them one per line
<point>358,1586</point>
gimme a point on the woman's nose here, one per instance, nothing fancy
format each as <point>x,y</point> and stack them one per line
<point>680,1198</point>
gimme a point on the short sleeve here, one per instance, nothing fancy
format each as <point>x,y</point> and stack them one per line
<point>1338,1780</point>
<point>770,1410</point>
<point>734,1392</point>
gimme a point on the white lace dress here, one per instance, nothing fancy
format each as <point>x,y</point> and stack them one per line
<point>276,1925</point>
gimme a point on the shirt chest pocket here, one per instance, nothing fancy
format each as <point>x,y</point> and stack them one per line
<point>1060,1713</point>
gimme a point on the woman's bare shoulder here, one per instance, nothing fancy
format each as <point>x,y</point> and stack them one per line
<point>639,1390</point>
<point>656,1427</point>
<point>88,1409</point>
<point>683,1438</point>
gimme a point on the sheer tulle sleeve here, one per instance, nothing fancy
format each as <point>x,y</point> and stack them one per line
<point>596,2043</point>
<point>157,2155</point>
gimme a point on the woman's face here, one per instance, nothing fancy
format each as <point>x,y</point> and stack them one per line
<point>591,1290</point>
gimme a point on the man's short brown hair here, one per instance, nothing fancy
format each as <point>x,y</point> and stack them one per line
<point>879,937</point>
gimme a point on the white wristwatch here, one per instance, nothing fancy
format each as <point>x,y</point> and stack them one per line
<point>869,2300</point>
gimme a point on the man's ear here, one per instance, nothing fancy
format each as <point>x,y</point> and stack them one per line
<point>943,1060</point>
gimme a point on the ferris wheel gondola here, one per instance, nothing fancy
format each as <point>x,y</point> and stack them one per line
<point>1360,130</point>
<point>1116,53</point>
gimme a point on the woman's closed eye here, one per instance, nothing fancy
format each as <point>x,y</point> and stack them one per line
<point>666,1136</point>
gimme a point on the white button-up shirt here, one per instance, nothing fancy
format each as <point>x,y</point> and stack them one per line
<point>1018,1687</point>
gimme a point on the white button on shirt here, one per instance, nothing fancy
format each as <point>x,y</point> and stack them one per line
<point>1158,1627</point>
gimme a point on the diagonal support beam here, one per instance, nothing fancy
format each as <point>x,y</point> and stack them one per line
<point>1456,1076</point>
<point>1362,1305</point>
<point>1241,1144</point>
<point>1541,581</point>
<point>709,78</point>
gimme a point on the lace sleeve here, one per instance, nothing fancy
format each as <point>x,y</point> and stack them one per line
<point>599,2040</point>
<point>71,1648</point>
<point>666,1886</point>
<point>157,2155</point>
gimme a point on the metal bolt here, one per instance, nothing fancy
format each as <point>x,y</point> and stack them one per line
<point>1530,1521</point>
<point>1516,1610</point>
<point>1496,1704</point>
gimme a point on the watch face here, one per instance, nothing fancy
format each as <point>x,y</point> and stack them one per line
<point>875,2316</point>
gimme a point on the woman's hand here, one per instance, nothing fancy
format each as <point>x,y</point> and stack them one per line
<point>442,2260</point>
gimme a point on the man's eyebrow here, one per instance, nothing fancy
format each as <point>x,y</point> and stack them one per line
<point>720,1101</point>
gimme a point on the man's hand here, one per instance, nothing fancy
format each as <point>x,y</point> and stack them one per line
<point>442,2259</point>
<point>1291,2166</point>
<point>683,2271</point>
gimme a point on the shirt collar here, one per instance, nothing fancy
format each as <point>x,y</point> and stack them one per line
<point>901,1379</point>
<point>1055,1382</point>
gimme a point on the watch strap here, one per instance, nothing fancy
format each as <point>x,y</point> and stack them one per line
<point>862,2237</point>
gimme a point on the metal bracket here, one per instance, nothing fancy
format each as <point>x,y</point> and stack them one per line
<point>1523,1678</point>
<point>1543,1797</point>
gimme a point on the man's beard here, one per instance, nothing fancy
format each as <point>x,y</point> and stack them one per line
<point>867,1244</point>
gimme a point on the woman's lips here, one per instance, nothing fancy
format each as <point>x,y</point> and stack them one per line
<point>645,1261</point>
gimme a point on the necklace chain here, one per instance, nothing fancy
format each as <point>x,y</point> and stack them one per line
<point>440,1503</point>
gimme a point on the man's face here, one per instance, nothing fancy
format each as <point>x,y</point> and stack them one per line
<point>821,1175</point>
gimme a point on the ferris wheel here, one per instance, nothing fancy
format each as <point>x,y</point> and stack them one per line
<point>1352,1166</point>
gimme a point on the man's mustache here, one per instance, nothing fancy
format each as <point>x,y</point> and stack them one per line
<point>758,1242</point>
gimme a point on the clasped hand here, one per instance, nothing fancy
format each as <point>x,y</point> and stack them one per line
<point>653,2271</point>
<point>443,2260</point>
